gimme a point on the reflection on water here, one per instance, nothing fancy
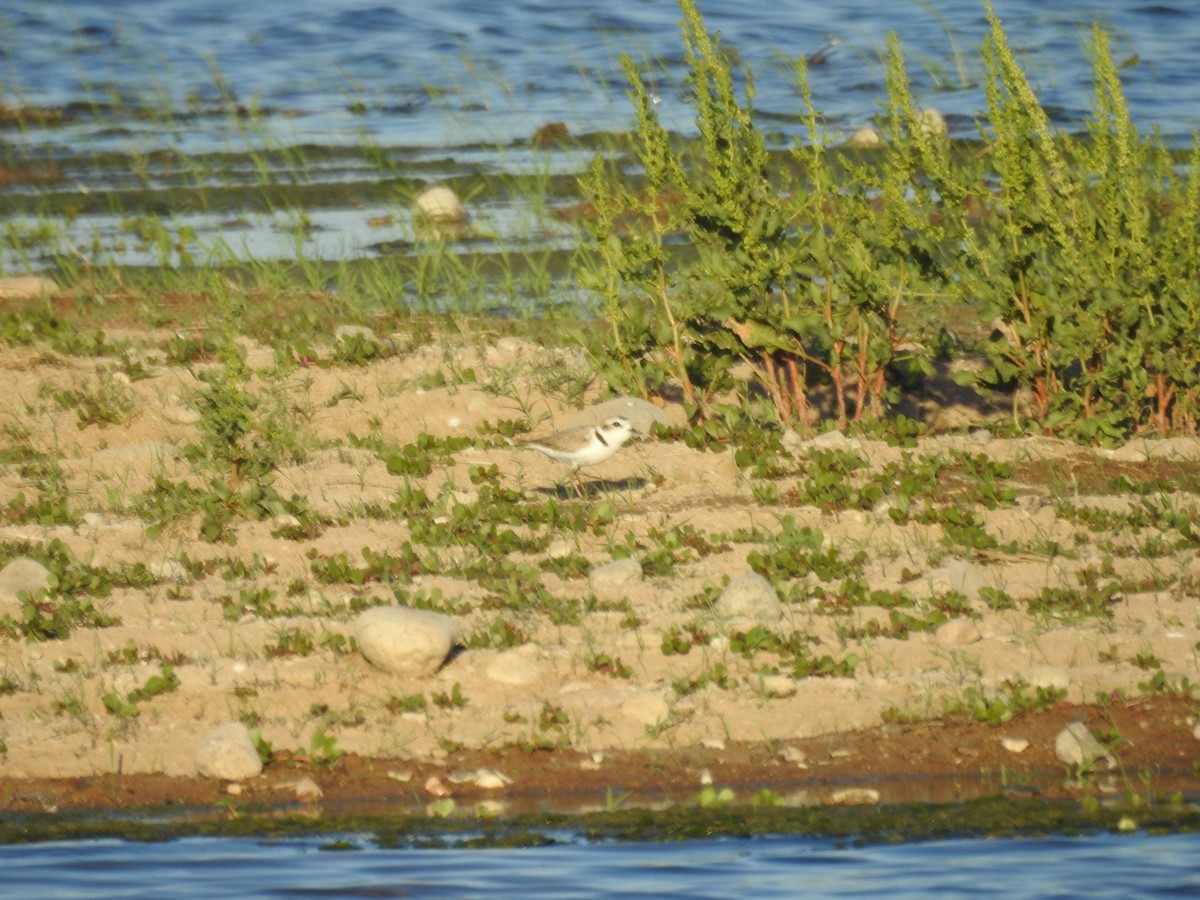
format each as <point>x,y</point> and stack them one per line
<point>1084,867</point>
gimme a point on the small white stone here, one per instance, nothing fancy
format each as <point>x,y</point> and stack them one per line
<point>779,686</point>
<point>1014,745</point>
<point>228,753</point>
<point>854,797</point>
<point>491,780</point>
<point>308,791</point>
<point>440,204</point>
<point>867,138</point>
<point>794,755</point>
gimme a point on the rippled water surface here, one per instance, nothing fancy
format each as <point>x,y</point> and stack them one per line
<point>309,95</point>
<point>1086,867</point>
<point>464,71</point>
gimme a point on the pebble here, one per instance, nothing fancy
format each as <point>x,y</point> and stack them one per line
<point>491,780</point>
<point>168,570</point>
<point>779,686</point>
<point>1049,677</point>
<point>344,332</point>
<point>854,797</point>
<point>749,597</point>
<point>866,138</point>
<point>308,791</point>
<point>795,756</point>
<point>516,666</point>
<point>1014,745</point>
<point>178,414</point>
<point>610,581</point>
<point>958,633</point>
<point>931,121</point>
<point>228,753</point>
<point>27,287</point>
<point>646,709</point>
<point>1076,746</point>
<point>404,641</point>
<point>440,204</point>
<point>960,575</point>
<point>22,575</point>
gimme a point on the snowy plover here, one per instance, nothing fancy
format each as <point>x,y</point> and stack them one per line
<point>583,445</point>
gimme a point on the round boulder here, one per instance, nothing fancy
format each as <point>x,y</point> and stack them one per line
<point>404,641</point>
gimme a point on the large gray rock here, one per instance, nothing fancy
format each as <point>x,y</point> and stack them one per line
<point>403,641</point>
<point>228,753</point>
<point>750,598</point>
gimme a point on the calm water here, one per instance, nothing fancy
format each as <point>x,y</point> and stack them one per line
<point>1088,867</point>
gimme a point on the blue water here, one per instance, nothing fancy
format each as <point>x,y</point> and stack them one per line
<point>458,72</point>
<point>1133,866</point>
<point>463,85</point>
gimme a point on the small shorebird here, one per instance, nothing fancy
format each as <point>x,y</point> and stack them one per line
<point>583,445</point>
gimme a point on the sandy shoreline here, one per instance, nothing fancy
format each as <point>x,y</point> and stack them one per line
<point>256,628</point>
